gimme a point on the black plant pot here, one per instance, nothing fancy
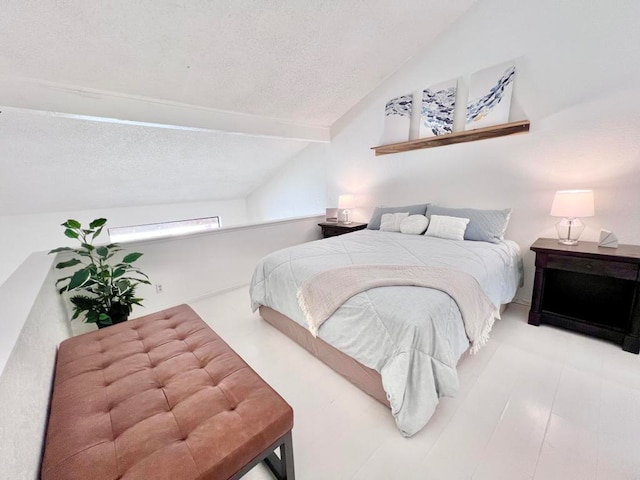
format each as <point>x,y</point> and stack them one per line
<point>118,313</point>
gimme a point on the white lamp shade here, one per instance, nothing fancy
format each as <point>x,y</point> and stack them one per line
<point>573,204</point>
<point>346,201</point>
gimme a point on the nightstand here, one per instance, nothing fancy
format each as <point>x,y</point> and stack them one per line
<point>588,289</point>
<point>333,229</point>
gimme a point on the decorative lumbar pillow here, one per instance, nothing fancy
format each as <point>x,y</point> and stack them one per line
<point>414,225</point>
<point>484,225</point>
<point>451,228</point>
<point>390,222</point>
<point>374,223</point>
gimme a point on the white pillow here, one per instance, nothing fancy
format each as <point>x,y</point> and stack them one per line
<point>451,228</point>
<point>414,224</point>
<point>390,222</point>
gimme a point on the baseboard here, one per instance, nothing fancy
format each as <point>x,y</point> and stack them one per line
<point>521,301</point>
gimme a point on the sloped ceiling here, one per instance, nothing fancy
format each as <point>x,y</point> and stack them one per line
<point>54,164</point>
<point>301,61</point>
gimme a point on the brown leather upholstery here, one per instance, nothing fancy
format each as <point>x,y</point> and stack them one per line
<point>160,397</point>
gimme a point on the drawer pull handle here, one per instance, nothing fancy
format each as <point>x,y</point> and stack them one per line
<point>588,265</point>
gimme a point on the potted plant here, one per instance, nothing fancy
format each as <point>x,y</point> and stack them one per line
<point>106,287</point>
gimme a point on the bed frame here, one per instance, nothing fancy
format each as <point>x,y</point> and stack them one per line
<point>365,378</point>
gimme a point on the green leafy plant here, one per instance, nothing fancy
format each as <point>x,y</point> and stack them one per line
<point>106,287</point>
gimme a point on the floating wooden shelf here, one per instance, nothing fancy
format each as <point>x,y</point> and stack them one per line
<point>456,137</point>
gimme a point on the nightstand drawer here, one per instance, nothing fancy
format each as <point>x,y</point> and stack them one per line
<point>624,271</point>
<point>332,231</point>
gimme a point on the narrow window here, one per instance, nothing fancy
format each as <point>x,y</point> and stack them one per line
<point>163,230</point>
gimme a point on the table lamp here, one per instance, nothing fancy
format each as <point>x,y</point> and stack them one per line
<point>571,204</point>
<point>345,203</point>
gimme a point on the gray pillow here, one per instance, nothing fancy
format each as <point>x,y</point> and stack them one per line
<point>484,225</point>
<point>374,223</point>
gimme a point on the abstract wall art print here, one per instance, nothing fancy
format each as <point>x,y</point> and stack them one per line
<point>438,105</point>
<point>397,119</point>
<point>490,96</point>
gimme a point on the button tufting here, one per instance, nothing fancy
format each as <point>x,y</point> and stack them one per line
<point>213,356</point>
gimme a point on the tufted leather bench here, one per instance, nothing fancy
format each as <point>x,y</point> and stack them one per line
<point>161,397</point>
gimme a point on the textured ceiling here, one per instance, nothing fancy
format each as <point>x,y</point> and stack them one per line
<point>306,61</point>
<point>301,61</point>
<point>50,164</point>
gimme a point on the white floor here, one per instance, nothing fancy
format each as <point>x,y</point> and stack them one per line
<point>536,403</point>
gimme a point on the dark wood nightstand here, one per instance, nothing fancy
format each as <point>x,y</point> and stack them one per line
<point>333,229</point>
<point>589,289</point>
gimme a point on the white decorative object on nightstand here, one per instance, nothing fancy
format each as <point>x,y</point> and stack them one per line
<point>331,215</point>
<point>608,239</point>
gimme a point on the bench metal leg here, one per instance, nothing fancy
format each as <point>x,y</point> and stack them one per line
<point>282,468</point>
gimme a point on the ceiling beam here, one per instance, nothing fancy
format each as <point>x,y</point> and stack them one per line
<point>97,105</point>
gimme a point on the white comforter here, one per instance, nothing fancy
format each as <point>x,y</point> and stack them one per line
<point>412,336</point>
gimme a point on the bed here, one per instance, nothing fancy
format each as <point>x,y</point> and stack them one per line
<point>400,344</point>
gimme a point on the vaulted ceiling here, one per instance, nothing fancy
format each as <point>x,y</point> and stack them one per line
<point>302,62</point>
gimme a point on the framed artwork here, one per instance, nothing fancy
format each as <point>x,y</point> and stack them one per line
<point>490,96</point>
<point>397,119</point>
<point>438,106</point>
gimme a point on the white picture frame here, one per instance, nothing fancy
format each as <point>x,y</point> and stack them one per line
<point>490,92</point>
<point>438,109</point>
<point>397,119</point>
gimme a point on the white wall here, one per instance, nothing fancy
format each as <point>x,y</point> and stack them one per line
<point>25,379</point>
<point>192,267</point>
<point>578,82</point>
<point>297,188</point>
<point>23,234</point>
